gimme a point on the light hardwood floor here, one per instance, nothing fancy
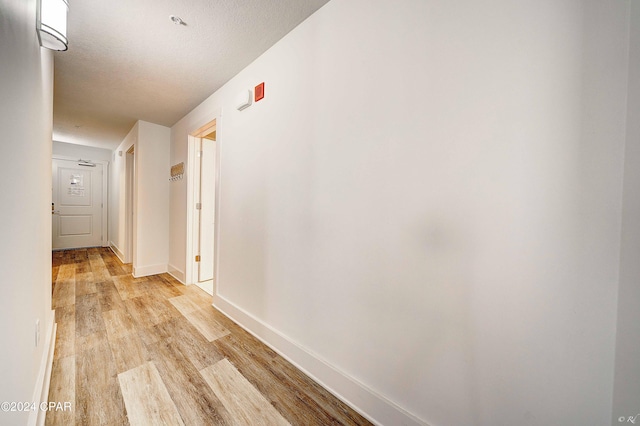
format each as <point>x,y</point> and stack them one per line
<point>151,351</point>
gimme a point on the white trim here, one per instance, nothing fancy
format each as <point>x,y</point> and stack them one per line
<point>191,211</point>
<point>216,213</point>
<point>114,248</point>
<point>41,391</point>
<point>130,203</point>
<point>144,271</point>
<point>196,172</point>
<point>105,202</point>
<point>176,273</point>
<point>375,407</point>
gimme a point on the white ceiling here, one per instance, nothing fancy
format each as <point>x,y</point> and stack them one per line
<point>127,60</point>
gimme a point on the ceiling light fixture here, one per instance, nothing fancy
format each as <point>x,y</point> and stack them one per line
<point>177,20</point>
<point>51,24</point>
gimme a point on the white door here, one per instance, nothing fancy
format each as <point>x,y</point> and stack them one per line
<point>207,209</point>
<point>77,204</point>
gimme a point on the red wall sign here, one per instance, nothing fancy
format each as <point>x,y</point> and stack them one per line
<point>259,92</point>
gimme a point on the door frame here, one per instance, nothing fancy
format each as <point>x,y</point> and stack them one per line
<point>105,195</point>
<point>193,187</point>
<point>130,204</point>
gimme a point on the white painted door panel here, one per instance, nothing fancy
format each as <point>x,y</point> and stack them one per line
<point>77,202</point>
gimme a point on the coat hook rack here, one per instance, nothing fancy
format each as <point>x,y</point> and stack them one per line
<point>177,172</point>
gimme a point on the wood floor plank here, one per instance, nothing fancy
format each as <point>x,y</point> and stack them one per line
<point>54,273</point>
<point>99,269</point>
<point>118,323</point>
<point>66,332</point>
<point>285,398</point>
<point>90,341</point>
<point>108,296</point>
<point>83,267</point>
<point>78,255</point>
<point>88,315</point>
<point>244,402</point>
<point>198,295</point>
<point>98,396</point>
<point>64,293</point>
<point>85,283</point>
<point>198,351</point>
<point>165,289</point>
<point>65,288</point>
<point>146,397</point>
<point>127,347</point>
<point>56,259</point>
<point>203,321</point>
<point>169,279</point>
<point>66,271</point>
<point>114,268</point>
<point>149,309</point>
<point>204,300</point>
<point>185,339</point>
<point>184,304</point>
<point>318,398</point>
<point>195,400</point>
<point>128,352</point>
<point>127,268</point>
<point>62,389</point>
<point>314,393</point>
<point>129,287</point>
<point>150,335</point>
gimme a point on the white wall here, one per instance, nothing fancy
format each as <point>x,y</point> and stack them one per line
<point>26,111</point>
<point>152,180</point>
<point>151,210</point>
<point>81,151</point>
<point>429,200</point>
<point>178,209</point>
<point>626,397</point>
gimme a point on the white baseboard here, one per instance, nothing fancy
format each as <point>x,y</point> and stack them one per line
<point>375,407</point>
<point>143,271</point>
<point>41,391</point>
<point>117,251</point>
<point>177,274</point>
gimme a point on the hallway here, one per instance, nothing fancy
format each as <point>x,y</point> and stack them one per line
<point>153,351</point>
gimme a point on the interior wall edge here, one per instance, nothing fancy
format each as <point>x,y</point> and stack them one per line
<point>144,271</point>
<point>41,390</point>
<point>176,273</point>
<point>116,250</point>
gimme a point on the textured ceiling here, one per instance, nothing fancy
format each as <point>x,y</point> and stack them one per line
<point>127,60</point>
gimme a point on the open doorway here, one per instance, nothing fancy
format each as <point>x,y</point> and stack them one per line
<point>202,191</point>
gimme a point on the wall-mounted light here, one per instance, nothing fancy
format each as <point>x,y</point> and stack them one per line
<point>51,24</point>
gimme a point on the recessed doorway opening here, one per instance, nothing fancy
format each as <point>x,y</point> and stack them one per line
<point>202,192</point>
